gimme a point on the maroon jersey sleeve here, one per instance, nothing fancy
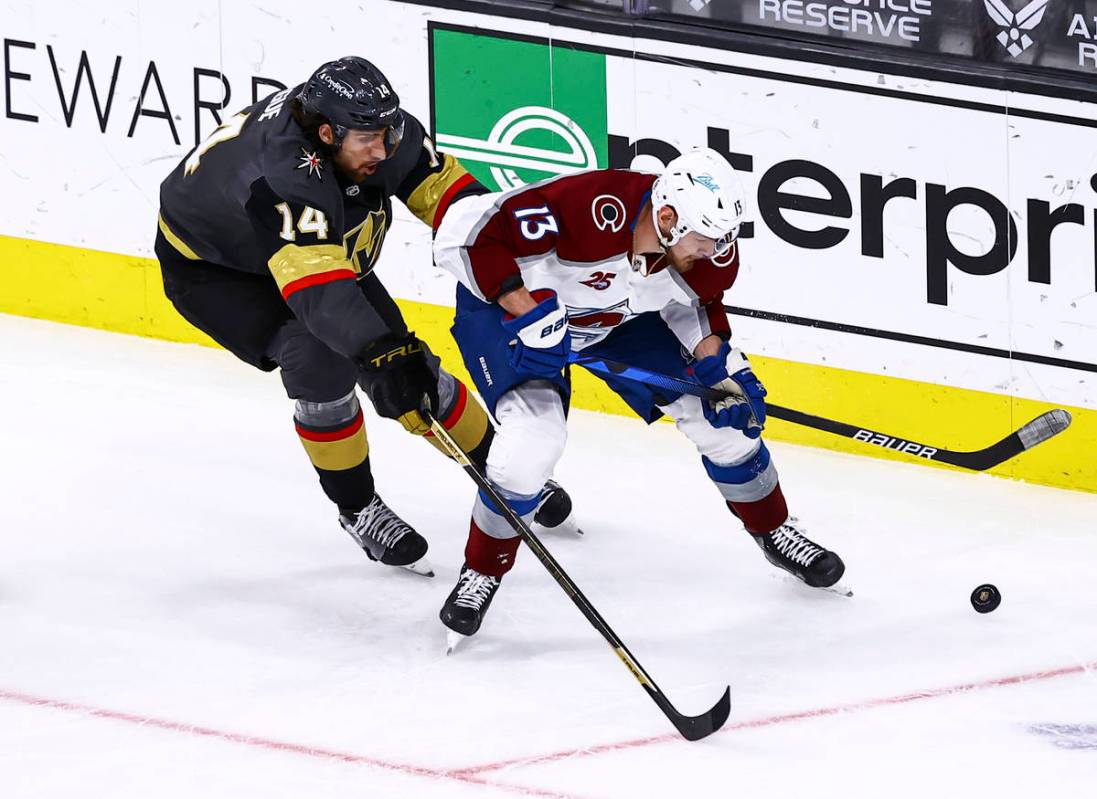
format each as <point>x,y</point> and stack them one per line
<point>581,217</point>
<point>524,226</point>
<point>706,283</point>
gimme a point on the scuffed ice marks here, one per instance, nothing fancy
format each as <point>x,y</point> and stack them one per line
<point>1068,736</point>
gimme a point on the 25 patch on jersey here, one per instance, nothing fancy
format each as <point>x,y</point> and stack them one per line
<point>599,281</point>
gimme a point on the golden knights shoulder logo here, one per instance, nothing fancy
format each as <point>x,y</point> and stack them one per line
<point>312,162</point>
<point>364,240</point>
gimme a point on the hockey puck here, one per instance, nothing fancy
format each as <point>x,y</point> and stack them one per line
<point>985,598</point>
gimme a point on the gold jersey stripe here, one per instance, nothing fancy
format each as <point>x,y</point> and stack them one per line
<point>293,262</point>
<point>469,429</point>
<point>175,241</point>
<point>424,201</point>
<point>340,455</point>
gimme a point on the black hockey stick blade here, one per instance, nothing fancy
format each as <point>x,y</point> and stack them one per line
<point>694,728</point>
<point>1037,431</point>
<point>1040,429</point>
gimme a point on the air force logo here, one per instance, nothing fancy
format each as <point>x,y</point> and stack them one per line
<point>1024,20</point>
<point>608,212</point>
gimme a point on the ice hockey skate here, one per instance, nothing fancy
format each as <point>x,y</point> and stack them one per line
<point>466,605</point>
<point>554,512</point>
<point>788,548</point>
<point>387,538</point>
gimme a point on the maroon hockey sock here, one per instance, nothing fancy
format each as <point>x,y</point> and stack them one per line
<point>763,516</point>
<point>491,556</point>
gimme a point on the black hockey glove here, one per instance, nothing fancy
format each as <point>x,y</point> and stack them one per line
<point>396,376</point>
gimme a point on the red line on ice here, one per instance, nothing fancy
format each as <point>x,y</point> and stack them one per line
<point>275,745</point>
<point>769,721</point>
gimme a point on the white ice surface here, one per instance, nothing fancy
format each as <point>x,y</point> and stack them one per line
<point>181,616</point>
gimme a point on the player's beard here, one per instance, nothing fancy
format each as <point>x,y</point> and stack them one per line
<point>677,263</point>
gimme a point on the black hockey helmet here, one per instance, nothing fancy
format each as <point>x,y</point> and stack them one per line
<point>353,94</point>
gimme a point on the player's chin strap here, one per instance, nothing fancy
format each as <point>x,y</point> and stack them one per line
<point>676,232</point>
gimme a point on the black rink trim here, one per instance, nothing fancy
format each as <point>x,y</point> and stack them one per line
<point>909,338</point>
<point>833,85</point>
<point>779,44</point>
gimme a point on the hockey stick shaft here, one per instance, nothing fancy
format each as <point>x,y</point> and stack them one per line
<point>1026,437</point>
<point>692,728</point>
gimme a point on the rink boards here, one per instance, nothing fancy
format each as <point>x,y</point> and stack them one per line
<point>921,258</point>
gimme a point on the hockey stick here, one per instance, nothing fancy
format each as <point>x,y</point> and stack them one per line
<point>1026,437</point>
<point>692,728</point>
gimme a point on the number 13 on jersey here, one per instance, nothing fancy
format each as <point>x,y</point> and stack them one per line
<point>536,222</point>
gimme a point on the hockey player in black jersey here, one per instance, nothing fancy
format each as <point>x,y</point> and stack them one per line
<point>269,231</point>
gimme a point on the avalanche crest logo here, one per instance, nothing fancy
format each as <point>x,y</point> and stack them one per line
<point>608,212</point>
<point>1024,20</point>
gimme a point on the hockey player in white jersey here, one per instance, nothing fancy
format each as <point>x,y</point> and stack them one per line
<point>631,267</point>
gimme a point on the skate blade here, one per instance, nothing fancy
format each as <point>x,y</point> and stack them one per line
<point>453,640</point>
<point>569,526</point>
<point>421,567</point>
<point>838,589</point>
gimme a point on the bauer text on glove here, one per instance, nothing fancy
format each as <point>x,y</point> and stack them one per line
<point>542,341</point>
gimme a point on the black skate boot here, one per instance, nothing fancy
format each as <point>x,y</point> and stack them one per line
<point>466,604</point>
<point>387,538</point>
<point>555,509</point>
<point>788,548</point>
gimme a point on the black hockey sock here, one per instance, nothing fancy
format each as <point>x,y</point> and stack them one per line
<point>340,454</point>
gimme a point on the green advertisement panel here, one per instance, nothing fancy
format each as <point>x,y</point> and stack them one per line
<point>516,111</point>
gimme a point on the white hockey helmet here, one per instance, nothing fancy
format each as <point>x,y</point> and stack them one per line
<point>706,194</point>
